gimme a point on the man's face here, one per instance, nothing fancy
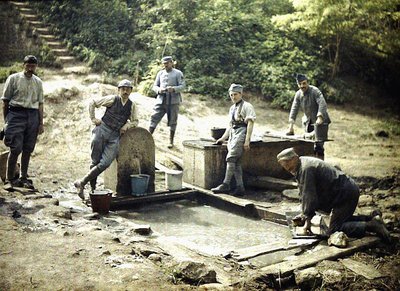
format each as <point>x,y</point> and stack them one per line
<point>124,92</point>
<point>235,96</point>
<point>29,68</point>
<point>303,85</point>
<point>168,65</point>
<point>289,165</point>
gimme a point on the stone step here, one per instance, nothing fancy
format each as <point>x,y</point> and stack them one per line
<point>43,30</point>
<point>30,16</point>
<point>20,4</point>
<point>25,10</point>
<point>48,37</point>
<point>38,24</point>
<point>55,44</point>
<point>66,59</point>
<point>61,52</point>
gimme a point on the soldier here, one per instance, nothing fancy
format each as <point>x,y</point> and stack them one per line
<point>325,188</point>
<point>168,85</point>
<point>23,116</point>
<point>242,117</point>
<point>120,115</point>
<point>316,119</point>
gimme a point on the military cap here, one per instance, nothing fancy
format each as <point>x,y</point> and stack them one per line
<point>167,59</point>
<point>125,83</point>
<point>301,77</point>
<point>286,154</point>
<point>30,59</point>
<point>236,88</point>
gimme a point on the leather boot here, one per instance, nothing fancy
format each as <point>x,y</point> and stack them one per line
<point>80,184</point>
<point>223,188</point>
<point>171,139</point>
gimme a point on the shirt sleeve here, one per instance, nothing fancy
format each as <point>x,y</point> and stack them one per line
<point>319,98</point>
<point>309,193</point>
<point>248,112</point>
<point>8,90</point>
<point>180,82</point>
<point>295,107</point>
<point>96,102</point>
<point>157,83</point>
<point>134,121</point>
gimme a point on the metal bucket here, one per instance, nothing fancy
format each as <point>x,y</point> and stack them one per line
<point>173,180</point>
<point>100,201</point>
<point>139,184</point>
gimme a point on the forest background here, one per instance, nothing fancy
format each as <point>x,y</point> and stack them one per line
<point>260,44</point>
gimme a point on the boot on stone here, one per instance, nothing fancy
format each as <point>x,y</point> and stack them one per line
<point>223,188</point>
<point>239,191</point>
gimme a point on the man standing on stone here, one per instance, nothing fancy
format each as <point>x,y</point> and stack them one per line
<point>168,85</point>
<point>326,189</point>
<point>312,102</point>
<point>120,115</point>
<point>239,131</point>
<point>23,116</point>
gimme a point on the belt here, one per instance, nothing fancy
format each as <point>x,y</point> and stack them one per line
<point>16,108</point>
<point>236,126</point>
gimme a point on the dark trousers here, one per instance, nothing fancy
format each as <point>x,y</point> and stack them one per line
<point>342,218</point>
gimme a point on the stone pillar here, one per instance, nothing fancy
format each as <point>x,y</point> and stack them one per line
<point>136,155</point>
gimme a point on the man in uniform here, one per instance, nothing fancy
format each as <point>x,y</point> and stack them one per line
<point>23,116</point>
<point>120,115</point>
<point>326,189</point>
<point>316,119</point>
<point>168,85</point>
<point>239,131</point>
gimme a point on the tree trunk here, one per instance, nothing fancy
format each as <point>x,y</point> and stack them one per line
<point>336,62</point>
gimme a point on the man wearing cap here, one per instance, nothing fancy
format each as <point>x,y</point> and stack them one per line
<point>23,116</point>
<point>120,115</point>
<point>316,119</point>
<point>168,85</point>
<point>326,189</point>
<point>242,117</point>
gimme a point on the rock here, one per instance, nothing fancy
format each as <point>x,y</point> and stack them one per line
<point>92,216</point>
<point>392,203</point>
<point>307,279</point>
<point>338,239</point>
<point>57,211</point>
<point>365,200</point>
<point>382,133</point>
<point>389,218</point>
<point>142,229</point>
<point>291,194</point>
<point>155,257</point>
<point>195,273</point>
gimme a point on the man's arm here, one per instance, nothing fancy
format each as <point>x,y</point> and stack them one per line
<point>106,101</point>
<point>41,127</point>
<point>293,113</point>
<point>157,83</point>
<point>322,107</point>
<point>250,125</point>
<point>180,82</point>
<point>5,108</point>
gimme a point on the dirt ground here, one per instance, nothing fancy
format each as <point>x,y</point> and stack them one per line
<point>46,246</point>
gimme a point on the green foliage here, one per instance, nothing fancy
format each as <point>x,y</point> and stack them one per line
<point>6,71</point>
<point>259,43</point>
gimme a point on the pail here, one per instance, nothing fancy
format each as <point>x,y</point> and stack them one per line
<point>173,180</point>
<point>100,201</point>
<point>139,184</point>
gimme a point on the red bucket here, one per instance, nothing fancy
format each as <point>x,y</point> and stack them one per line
<point>101,201</point>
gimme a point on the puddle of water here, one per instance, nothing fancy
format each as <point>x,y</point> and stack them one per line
<point>207,229</point>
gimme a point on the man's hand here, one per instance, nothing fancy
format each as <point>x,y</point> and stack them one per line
<point>319,120</point>
<point>161,91</point>
<point>290,130</point>
<point>41,129</point>
<point>96,121</point>
<point>170,89</point>
<point>219,141</point>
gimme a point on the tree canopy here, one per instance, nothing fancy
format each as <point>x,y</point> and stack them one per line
<point>259,43</point>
